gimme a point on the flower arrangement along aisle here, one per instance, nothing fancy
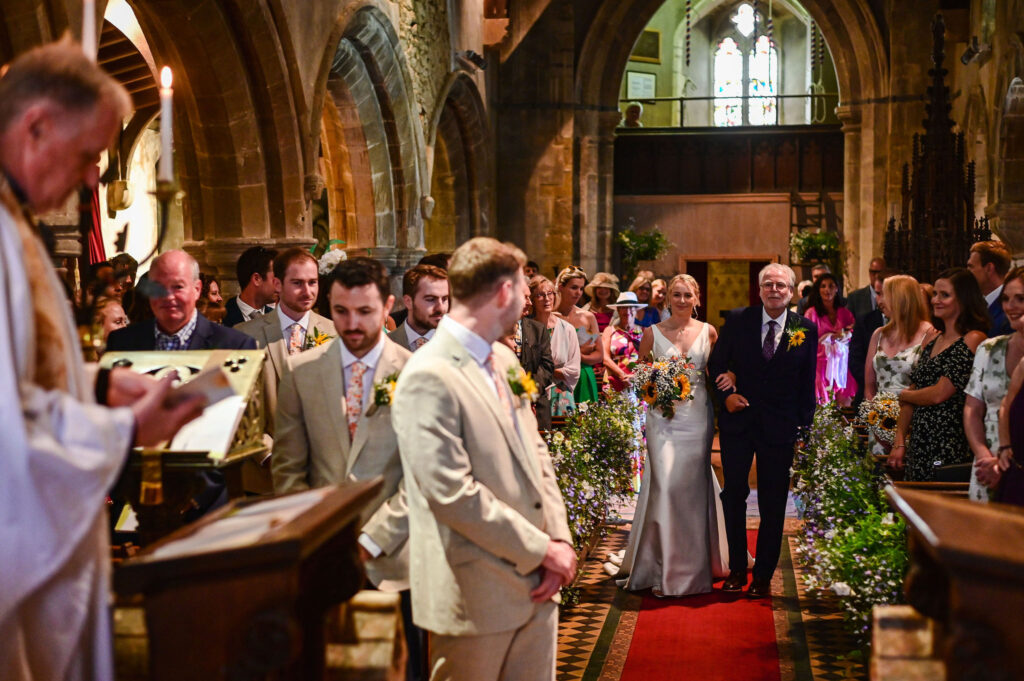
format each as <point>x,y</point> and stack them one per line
<point>663,383</point>
<point>593,458</point>
<point>851,543</point>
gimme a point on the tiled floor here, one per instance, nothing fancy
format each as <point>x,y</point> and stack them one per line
<point>594,637</point>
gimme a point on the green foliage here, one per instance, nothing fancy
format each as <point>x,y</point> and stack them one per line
<point>851,543</point>
<point>808,246</point>
<point>637,246</point>
<point>595,457</point>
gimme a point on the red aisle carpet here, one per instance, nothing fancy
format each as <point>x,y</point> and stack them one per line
<point>711,637</point>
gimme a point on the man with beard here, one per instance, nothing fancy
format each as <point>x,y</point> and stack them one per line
<point>284,332</point>
<point>425,294</point>
<point>331,428</point>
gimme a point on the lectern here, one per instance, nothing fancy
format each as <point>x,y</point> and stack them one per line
<point>160,483</point>
<point>241,594</point>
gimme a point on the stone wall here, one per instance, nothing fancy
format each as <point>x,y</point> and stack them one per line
<point>424,29</point>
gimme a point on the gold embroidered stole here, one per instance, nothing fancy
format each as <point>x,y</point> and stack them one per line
<point>49,370</point>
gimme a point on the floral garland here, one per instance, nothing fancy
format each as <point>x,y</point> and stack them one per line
<point>851,544</point>
<point>593,457</point>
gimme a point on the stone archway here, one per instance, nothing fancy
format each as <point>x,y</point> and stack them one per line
<point>461,179</point>
<point>371,140</point>
<point>1009,207</point>
<point>858,50</point>
<point>239,150</point>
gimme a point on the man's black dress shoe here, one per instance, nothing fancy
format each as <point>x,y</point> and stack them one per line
<point>734,582</point>
<point>760,588</point>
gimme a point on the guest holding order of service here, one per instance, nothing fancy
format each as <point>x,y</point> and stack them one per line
<point>932,407</point>
<point>990,379</point>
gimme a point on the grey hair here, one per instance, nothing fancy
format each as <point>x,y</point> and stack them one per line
<point>778,268</point>
<point>193,263</point>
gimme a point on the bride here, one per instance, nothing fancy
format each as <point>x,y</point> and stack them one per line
<point>677,545</point>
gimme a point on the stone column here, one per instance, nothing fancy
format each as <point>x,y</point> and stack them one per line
<point>850,118</point>
<point>221,254</point>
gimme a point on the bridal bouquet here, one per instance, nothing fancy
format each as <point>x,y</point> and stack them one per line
<point>881,414</point>
<point>663,383</point>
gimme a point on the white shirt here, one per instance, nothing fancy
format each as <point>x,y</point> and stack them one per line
<point>287,321</point>
<point>874,297</point>
<point>412,335</point>
<point>993,296</point>
<point>246,309</point>
<point>478,348</point>
<point>370,360</point>
<point>780,323</point>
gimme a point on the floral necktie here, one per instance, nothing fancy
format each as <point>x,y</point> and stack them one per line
<point>354,398</point>
<point>294,338</point>
<point>418,343</point>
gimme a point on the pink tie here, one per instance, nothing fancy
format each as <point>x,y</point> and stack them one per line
<point>294,333</point>
<point>499,383</point>
<point>354,398</point>
<point>419,343</point>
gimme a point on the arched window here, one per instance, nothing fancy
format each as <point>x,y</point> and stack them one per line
<point>746,63</point>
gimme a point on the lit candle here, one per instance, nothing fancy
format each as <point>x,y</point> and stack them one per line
<point>166,170</point>
<point>89,28</point>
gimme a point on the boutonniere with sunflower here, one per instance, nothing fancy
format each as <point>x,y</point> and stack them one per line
<point>522,384</point>
<point>384,390</point>
<point>315,338</point>
<point>795,336</point>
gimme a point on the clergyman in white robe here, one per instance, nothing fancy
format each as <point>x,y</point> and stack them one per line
<point>59,454</point>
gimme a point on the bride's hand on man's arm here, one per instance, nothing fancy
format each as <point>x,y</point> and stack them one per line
<point>726,381</point>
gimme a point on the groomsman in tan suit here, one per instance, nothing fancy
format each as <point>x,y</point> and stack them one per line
<point>332,429</point>
<point>489,542</point>
<point>285,331</point>
<point>425,294</point>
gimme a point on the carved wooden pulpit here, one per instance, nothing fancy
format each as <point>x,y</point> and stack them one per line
<point>241,594</point>
<point>967,573</point>
<point>161,483</point>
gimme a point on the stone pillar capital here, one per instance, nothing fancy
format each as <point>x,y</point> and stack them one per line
<point>850,117</point>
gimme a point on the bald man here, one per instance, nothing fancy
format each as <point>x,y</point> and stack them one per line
<point>177,325</point>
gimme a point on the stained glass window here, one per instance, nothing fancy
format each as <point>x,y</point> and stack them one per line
<point>764,74</point>
<point>746,64</point>
<point>728,84</point>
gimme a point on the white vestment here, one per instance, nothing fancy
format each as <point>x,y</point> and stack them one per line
<point>59,454</point>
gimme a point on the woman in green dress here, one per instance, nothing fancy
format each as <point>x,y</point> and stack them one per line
<point>570,283</point>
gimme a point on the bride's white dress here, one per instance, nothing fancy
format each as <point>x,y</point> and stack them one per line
<point>677,544</point>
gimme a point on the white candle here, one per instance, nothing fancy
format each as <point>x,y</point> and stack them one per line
<point>89,28</point>
<point>166,169</point>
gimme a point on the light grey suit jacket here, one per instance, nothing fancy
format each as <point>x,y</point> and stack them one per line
<point>400,336</point>
<point>483,498</point>
<point>312,449</point>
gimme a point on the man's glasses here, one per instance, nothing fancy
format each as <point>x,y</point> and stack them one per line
<point>777,285</point>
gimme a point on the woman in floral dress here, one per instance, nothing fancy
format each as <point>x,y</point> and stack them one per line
<point>620,342</point>
<point>931,409</point>
<point>990,379</point>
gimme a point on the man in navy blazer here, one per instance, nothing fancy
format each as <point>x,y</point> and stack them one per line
<point>989,262</point>
<point>763,365</point>
<point>177,324</point>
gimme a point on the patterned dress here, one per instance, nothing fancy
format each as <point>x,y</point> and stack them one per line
<point>622,349</point>
<point>990,379</point>
<point>892,374</point>
<point>937,431</point>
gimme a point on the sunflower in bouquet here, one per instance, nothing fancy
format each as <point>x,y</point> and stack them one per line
<point>881,414</point>
<point>663,383</point>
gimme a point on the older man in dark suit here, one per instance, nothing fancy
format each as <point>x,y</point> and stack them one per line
<point>763,365</point>
<point>177,324</point>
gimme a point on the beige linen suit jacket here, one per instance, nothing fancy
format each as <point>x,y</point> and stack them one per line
<point>312,449</point>
<point>483,499</point>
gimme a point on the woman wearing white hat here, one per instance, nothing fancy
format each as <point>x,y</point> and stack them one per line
<point>621,341</point>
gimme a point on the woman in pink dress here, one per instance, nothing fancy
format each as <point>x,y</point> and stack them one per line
<point>835,325</point>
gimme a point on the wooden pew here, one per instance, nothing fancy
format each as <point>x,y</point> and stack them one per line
<point>967,573</point>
